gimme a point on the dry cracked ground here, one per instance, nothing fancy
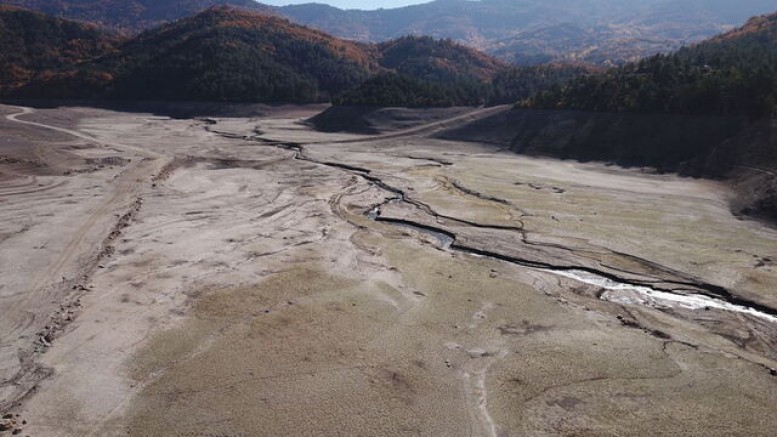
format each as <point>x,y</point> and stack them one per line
<point>250,276</point>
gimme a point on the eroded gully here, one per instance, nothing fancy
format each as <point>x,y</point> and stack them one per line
<point>695,295</point>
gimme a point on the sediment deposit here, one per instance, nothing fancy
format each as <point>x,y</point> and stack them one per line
<point>251,276</point>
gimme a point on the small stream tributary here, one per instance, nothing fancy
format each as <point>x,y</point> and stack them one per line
<point>614,291</point>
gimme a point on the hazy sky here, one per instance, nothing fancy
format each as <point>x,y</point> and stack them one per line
<point>350,4</point>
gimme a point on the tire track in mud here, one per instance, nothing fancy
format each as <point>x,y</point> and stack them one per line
<point>38,189</point>
<point>26,111</point>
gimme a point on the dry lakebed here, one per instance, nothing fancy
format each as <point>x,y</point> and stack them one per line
<point>242,276</point>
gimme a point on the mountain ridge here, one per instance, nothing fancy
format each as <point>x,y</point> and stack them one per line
<point>130,15</point>
<point>228,54</point>
<point>615,31</point>
<point>610,32</point>
<point>734,73</point>
<point>223,54</point>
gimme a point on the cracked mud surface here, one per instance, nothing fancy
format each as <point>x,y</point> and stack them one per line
<point>253,277</point>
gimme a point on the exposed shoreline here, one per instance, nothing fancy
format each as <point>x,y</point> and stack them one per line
<point>253,274</point>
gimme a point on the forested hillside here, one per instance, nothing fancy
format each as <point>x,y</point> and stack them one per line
<point>530,32</point>
<point>524,32</point>
<point>221,54</point>
<point>130,15</point>
<point>506,85</point>
<point>434,60</point>
<point>37,45</point>
<point>708,110</point>
<point>401,90</point>
<point>422,71</point>
<point>733,74</point>
<point>226,54</point>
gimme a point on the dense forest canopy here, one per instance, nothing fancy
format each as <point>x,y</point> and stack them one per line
<point>507,85</point>
<point>402,90</point>
<point>422,71</point>
<point>220,54</point>
<point>523,32</point>
<point>733,74</point>
<point>130,15</point>
<point>35,44</point>
<point>436,60</point>
<point>226,54</point>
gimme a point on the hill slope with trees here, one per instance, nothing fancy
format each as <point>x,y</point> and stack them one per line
<point>530,32</point>
<point>708,110</point>
<point>222,54</point>
<point>525,32</point>
<point>732,74</point>
<point>130,15</point>
<point>226,54</point>
<point>506,85</point>
<point>424,72</point>
<point>426,58</point>
<point>35,45</point>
